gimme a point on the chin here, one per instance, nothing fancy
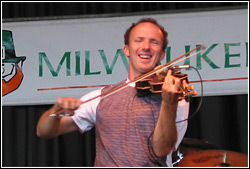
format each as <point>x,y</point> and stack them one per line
<point>145,70</point>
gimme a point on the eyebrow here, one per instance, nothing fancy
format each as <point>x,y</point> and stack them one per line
<point>155,39</point>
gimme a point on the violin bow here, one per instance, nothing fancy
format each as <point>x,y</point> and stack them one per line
<point>139,78</point>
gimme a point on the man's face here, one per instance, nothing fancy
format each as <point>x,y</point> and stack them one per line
<point>12,77</point>
<point>144,49</point>
<point>8,71</point>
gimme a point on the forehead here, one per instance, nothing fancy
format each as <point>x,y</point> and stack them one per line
<point>146,28</point>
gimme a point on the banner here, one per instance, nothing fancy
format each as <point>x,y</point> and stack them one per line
<point>46,59</point>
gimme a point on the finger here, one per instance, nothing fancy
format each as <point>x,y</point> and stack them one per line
<point>177,82</point>
<point>74,104</point>
<point>71,103</point>
<point>188,87</point>
<point>58,103</point>
<point>68,102</point>
<point>59,100</point>
<point>169,73</point>
<point>194,93</point>
<point>191,87</point>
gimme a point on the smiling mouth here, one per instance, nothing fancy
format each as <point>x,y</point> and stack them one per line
<point>145,56</point>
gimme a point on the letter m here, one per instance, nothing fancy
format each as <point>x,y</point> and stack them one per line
<point>43,56</point>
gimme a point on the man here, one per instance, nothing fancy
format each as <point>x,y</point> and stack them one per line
<point>130,130</point>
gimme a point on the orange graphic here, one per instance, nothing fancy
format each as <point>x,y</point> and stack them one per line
<point>13,83</point>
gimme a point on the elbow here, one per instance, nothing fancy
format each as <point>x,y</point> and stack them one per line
<point>162,153</point>
<point>39,133</point>
<point>42,134</point>
<point>164,149</point>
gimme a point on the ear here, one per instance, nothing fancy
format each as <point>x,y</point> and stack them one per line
<point>126,50</point>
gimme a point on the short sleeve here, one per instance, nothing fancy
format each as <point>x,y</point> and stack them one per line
<point>85,115</point>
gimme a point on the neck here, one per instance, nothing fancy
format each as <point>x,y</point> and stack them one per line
<point>133,75</point>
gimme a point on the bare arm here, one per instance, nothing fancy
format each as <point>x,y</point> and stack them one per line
<point>165,133</point>
<point>49,126</point>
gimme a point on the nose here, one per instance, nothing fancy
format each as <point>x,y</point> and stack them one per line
<point>146,45</point>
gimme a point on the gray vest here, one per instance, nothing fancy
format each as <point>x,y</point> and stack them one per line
<point>124,124</point>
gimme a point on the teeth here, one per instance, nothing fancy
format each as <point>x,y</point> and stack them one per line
<point>145,56</point>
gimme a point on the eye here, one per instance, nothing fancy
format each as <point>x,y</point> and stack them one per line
<point>3,70</point>
<point>138,39</point>
<point>156,42</point>
<point>8,69</point>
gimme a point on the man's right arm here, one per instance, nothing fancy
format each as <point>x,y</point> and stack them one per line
<point>50,126</point>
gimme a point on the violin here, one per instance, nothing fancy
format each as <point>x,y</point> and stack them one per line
<point>153,84</point>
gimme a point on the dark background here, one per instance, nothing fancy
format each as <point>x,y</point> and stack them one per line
<point>221,120</point>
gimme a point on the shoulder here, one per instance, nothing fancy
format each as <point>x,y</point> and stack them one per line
<point>112,86</point>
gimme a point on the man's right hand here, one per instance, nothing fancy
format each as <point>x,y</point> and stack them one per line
<point>66,105</point>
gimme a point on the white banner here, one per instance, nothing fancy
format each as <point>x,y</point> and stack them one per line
<point>43,60</point>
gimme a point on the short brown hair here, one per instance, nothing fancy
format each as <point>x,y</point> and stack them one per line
<point>153,21</point>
